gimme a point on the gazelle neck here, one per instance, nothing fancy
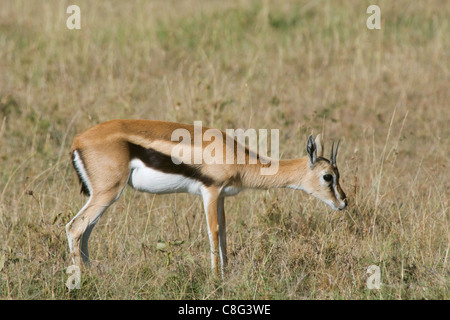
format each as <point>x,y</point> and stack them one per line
<point>290,172</point>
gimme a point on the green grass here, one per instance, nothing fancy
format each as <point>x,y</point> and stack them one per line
<point>295,66</point>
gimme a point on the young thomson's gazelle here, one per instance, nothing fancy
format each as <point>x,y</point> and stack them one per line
<point>139,152</point>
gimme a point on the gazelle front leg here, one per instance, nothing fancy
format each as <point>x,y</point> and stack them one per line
<point>222,233</point>
<point>210,204</point>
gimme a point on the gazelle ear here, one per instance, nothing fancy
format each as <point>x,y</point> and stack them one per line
<point>319,145</point>
<point>311,149</point>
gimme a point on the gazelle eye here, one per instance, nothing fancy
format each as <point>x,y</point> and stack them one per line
<point>328,177</point>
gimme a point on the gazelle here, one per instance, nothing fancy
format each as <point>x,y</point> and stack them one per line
<point>140,153</point>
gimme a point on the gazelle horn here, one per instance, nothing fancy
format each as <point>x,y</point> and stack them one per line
<point>333,156</point>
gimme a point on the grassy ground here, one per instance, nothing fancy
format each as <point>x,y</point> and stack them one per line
<point>297,66</point>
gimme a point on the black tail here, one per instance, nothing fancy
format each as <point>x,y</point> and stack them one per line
<point>84,188</point>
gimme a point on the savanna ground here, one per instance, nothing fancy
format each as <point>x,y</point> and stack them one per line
<point>296,66</point>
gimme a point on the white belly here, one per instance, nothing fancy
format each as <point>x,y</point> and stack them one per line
<point>146,179</point>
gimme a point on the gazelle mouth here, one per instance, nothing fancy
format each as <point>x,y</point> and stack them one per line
<point>335,207</point>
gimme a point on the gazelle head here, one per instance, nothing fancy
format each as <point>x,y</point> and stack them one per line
<point>322,176</point>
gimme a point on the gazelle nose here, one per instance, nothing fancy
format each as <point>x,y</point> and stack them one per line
<point>345,204</point>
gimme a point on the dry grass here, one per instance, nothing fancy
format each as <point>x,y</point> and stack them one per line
<point>295,66</point>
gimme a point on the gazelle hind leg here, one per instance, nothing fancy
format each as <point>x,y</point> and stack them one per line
<point>80,227</point>
<point>104,184</point>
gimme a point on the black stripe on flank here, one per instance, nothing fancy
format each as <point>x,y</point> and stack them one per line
<point>84,188</point>
<point>162,162</point>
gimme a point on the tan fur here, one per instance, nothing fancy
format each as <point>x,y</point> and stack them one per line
<point>104,150</point>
